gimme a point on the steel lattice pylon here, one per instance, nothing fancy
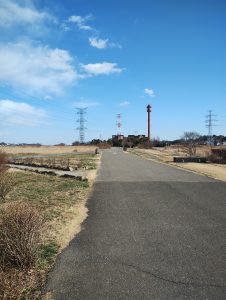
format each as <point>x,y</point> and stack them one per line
<point>210,122</point>
<point>81,112</point>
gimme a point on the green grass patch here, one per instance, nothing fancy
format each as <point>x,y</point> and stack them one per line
<point>50,194</point>
<point>48,253</point>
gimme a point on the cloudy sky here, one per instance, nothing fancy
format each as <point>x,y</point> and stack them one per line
<point>113,57</point>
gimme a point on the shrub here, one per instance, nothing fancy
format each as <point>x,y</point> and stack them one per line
<point>17,284</point>
<point>20,235</point>
<point>60,145</point>
<point>218,156</point>
<point>3,161</point>
<point>7,183</point>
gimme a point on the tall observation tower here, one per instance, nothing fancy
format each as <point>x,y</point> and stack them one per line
<point>149,121</point>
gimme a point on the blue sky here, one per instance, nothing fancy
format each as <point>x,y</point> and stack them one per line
<point>112,57</point>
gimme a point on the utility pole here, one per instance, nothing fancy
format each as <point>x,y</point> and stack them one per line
<point>81,120</point>
<point>210,122</point>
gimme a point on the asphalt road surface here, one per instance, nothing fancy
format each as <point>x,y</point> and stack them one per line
<point>153,232</point>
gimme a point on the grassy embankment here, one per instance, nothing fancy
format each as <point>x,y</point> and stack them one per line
<point>61,203</point>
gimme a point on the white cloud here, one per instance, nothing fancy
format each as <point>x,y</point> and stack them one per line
<point>101,68</point>
<point>98,43</point>
<point>65,27</point>
<point>11,13</point>
<point>21,113</point>
<point>149,92</point>
<point>36,68</point>
<point>115,45</point>
<point>102,44</point>
<point>81,22</point>
<point>124,103</point>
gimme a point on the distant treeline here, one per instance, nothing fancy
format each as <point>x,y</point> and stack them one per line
<point>203,140</point>
<point>133,142</point>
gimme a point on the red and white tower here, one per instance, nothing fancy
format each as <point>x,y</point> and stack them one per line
<point>149,121</point>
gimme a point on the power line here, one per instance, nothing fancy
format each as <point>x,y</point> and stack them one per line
<point>210,123</point>
<point>81,120</point>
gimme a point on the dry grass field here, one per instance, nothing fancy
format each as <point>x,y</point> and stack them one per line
<point>166,155</point>
<point>62,204</point>
<point>45,150</point>
<point>212,170</point>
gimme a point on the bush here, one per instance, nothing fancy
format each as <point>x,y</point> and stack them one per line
<point>17,284</point>
<point>60,145</point>
<point>218,156</point>
<point>3,162</point>
<point>7,183</point>
<point>20,235</point>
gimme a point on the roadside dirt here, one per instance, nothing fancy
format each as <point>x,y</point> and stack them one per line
<point>73,218</point>
<point>76,215</point>
<point>166,156</point>
<point>73,224</point>
<point>211,170</point>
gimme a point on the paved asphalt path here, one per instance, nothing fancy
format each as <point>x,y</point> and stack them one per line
<point>153,232</point>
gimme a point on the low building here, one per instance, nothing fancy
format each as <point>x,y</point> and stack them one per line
<point>129,141</point>
<point>118,137</point>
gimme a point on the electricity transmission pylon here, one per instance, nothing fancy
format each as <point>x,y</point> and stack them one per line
<point>210,122</point>
<point>81,120</point>
<point>119,124</point>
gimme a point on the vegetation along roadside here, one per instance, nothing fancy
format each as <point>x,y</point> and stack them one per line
<point>39,215</point>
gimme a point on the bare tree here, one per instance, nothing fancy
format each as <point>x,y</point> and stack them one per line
<point>190,141</point>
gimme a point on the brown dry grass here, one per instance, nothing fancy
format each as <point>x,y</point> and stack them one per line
<point>20,235</point>
<point>63,204</point>
<point>166,155</point>
<point>212,170</point>
<point>46,149</point>
<point>7,183</point>
<point>19,285</point>
<point>3,162</point>
<point>75,161</point>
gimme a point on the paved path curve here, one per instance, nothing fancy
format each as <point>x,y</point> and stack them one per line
<point>153,232</point>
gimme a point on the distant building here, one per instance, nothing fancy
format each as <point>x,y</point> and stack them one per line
<point>118,137</point>
<point>136,137</point>
<point>130,141</point>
